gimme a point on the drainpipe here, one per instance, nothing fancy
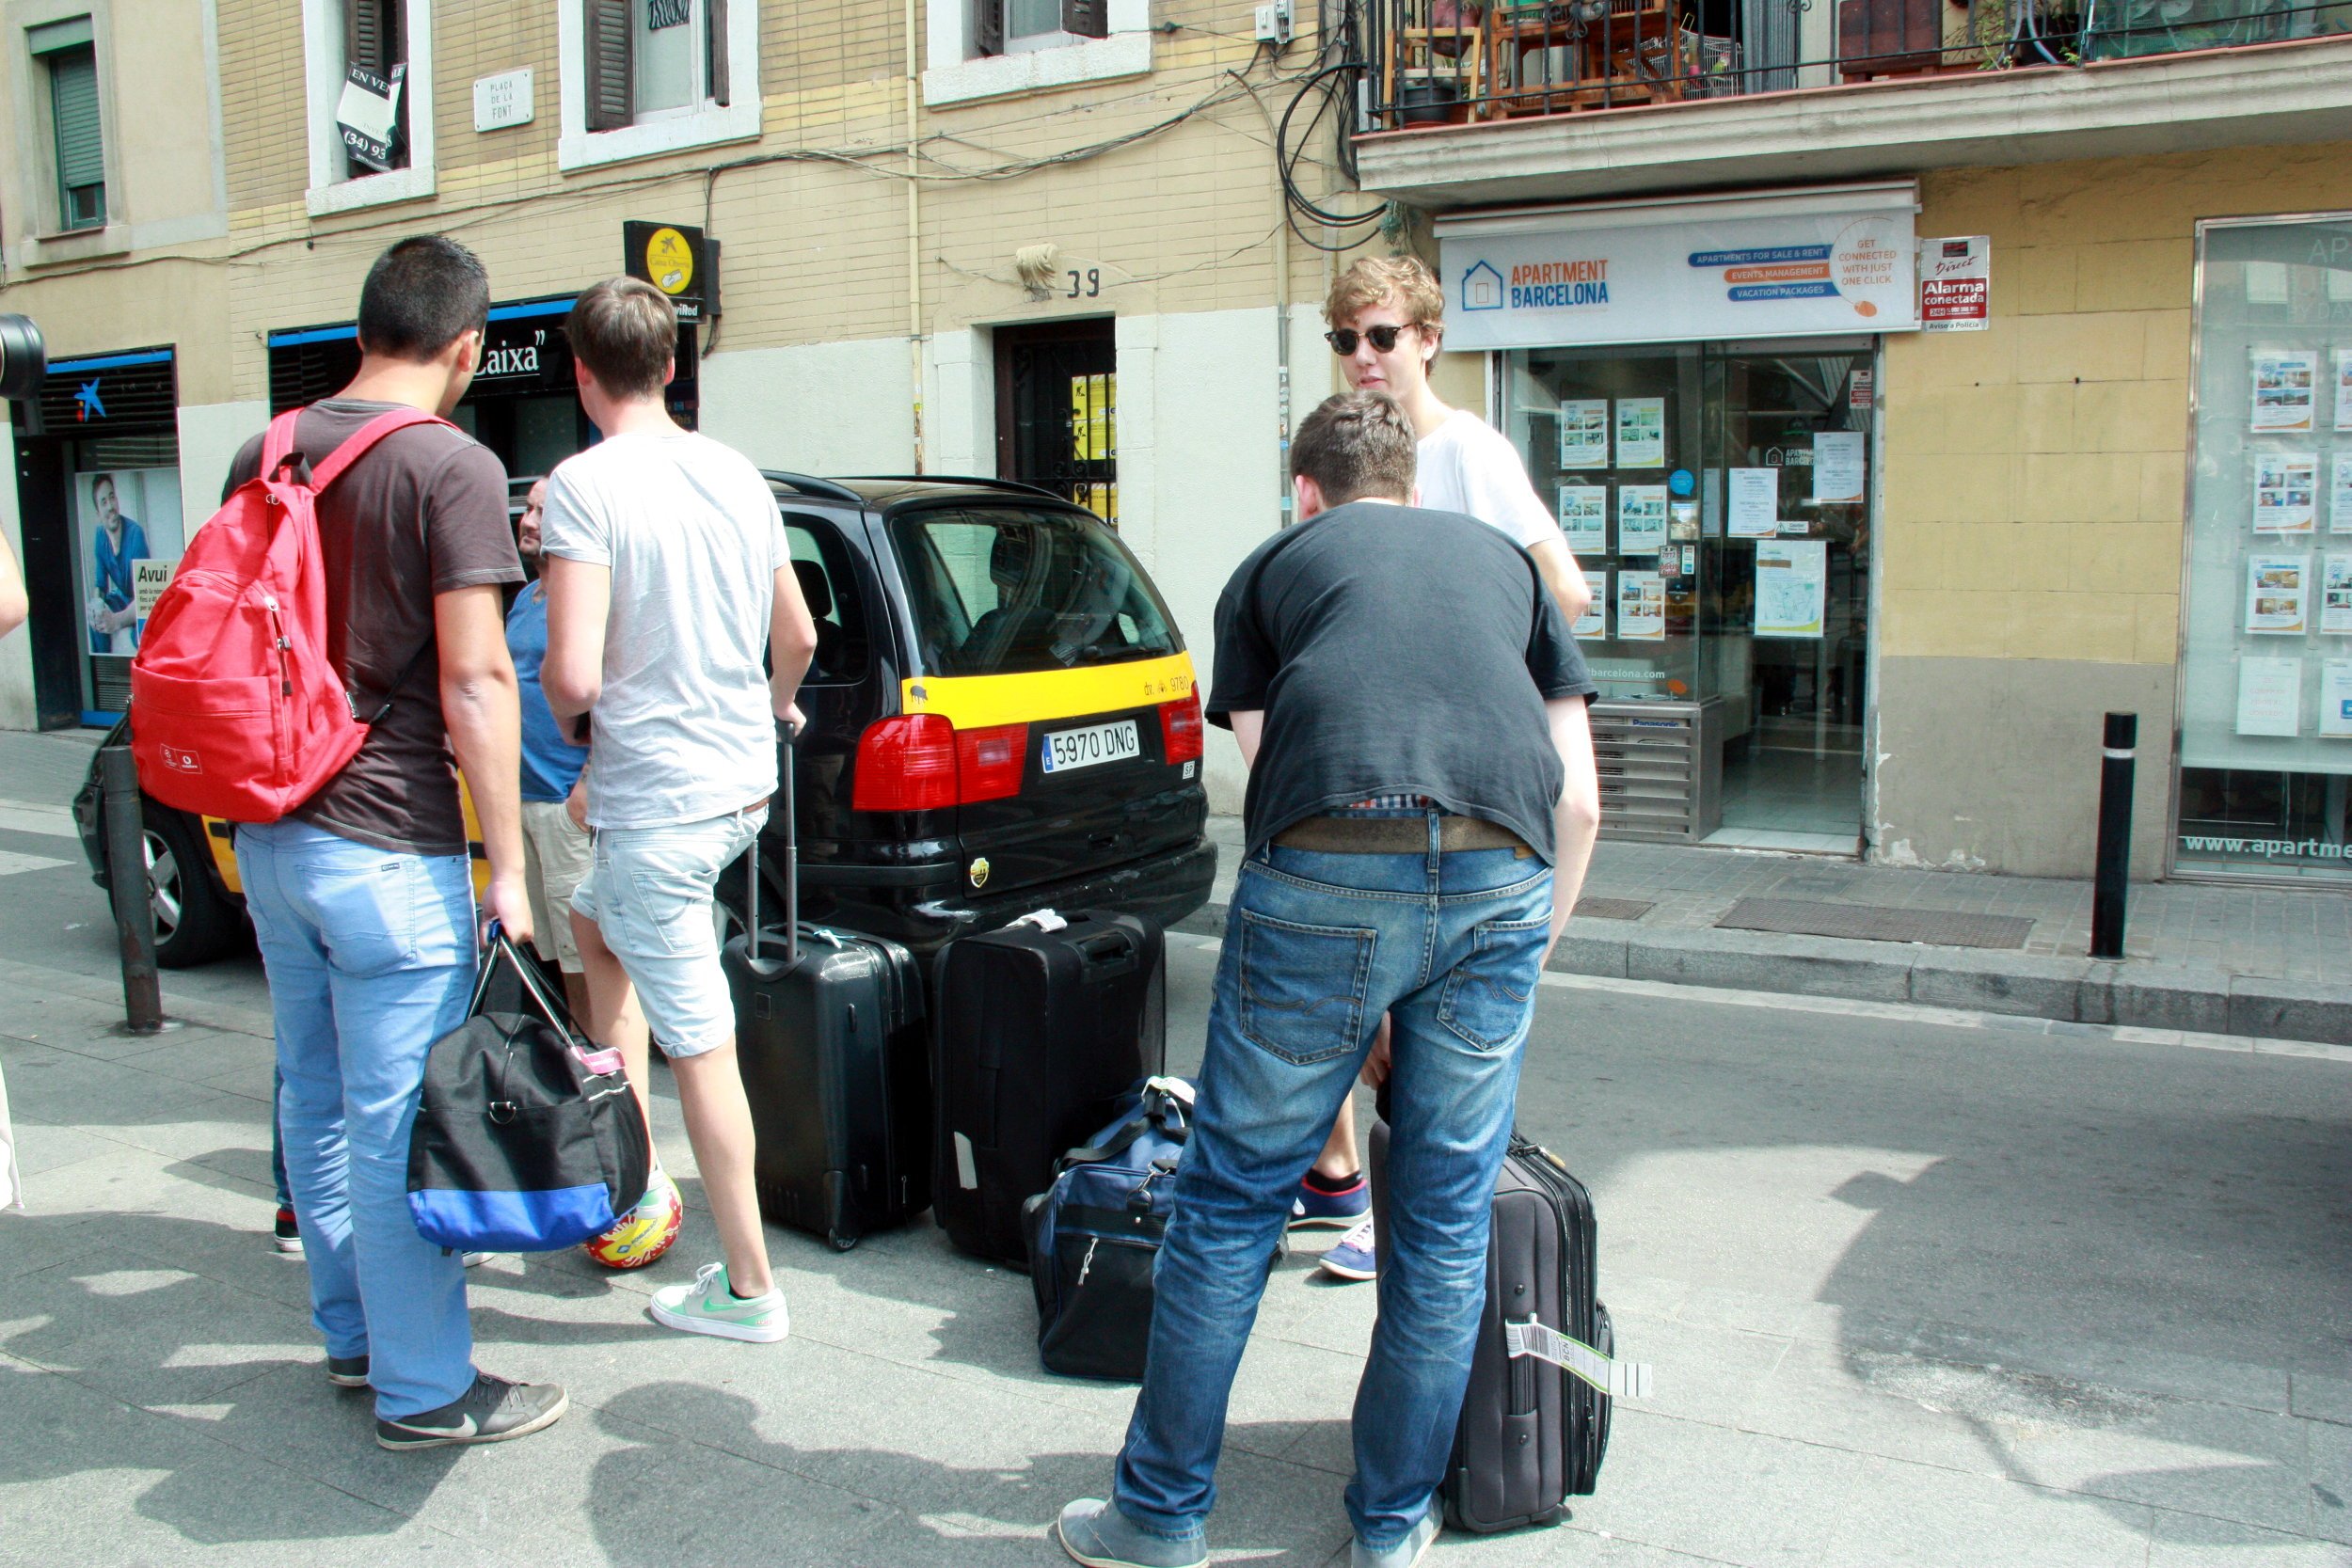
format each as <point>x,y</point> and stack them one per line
<point>915,241</point>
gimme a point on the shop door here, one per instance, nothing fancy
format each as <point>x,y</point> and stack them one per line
<point>1785,596</point>
<point>1057,406</point>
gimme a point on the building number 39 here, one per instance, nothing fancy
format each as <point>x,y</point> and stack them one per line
<point>1090,285</point>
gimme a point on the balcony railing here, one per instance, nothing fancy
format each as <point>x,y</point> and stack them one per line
<point>1435,62</point>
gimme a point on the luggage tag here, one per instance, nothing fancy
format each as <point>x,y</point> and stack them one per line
<point>1619,1380</point>
<point>1044,920</point>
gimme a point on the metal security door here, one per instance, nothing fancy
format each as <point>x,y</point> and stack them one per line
<point>1056,411</point>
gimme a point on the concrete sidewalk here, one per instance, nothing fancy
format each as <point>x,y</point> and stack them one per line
<point>2200,957</point>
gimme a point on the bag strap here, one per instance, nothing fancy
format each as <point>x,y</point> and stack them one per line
<point>551,1007</point>
<point>325,472</point>
<point>277,443</point>
<point>391,692</point>
<point>1158,1108</point>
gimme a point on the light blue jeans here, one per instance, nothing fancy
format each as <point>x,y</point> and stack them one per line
<point>370,959</point>
<point>1316,948</point>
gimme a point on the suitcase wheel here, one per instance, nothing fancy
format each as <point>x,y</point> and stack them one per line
<point>839,1242</point>
<point>1548,1518</point>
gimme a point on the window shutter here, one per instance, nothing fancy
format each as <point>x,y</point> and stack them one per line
<point>73,98</point>
<point>715,31</point>
<point>364,41</point>
<point>988,26</point>
<point>611,84</point>
<point>1087,19</point>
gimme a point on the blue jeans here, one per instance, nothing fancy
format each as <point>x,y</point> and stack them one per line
<point>1316,948</point>
<point>370,959</point>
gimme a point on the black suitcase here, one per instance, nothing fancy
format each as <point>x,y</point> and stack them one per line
<point>1036,1032</point>
<point>1531,1434</point>
<point>830,1036</point>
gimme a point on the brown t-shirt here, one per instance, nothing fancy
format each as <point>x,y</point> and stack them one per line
<point>422,514</point>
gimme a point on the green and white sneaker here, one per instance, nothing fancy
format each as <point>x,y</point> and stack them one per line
<point>708,1306</point>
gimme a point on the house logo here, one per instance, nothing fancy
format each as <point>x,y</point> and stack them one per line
<point>1482,288</point>
<point>88,405</point>
<point>177,761</point>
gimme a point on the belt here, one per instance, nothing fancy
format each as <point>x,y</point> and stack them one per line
<point>1396,835</point>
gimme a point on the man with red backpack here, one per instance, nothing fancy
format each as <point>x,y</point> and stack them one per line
<point>362,894</point>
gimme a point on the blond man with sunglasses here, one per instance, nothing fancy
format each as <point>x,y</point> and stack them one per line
<point>1387,316</point>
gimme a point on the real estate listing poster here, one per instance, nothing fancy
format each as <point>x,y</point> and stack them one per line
<point>2286,485</point>
<point>1755,504</point>
<point>1641,606</point>
<point>2340,495</point>
<point>1641,519</point>
<point>1641,433</point>
<point>2278,588</point>
<point>1594,622</point>
<point>1584,518</point>
<point>2335,594</point>
<point>2335,699</point>
<point>2269,696</point>
<point>1791,584</point>
<point>1840,466</point>
<point>1583,434</point>
<point>2284,387</point>
<point>2343,381</point>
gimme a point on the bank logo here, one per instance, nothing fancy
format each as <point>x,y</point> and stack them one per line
<point>1482,288</point>
<point>88,405</point>
<point>177,761</point>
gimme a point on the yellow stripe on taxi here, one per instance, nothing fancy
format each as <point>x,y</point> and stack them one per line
<point>982,702</point>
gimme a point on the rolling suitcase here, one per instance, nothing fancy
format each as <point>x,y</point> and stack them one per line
<point>830,1037</point>
<point>1039,1028</point>
<point>1533,1430</point>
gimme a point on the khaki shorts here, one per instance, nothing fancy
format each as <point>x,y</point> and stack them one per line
<point>555,857</point>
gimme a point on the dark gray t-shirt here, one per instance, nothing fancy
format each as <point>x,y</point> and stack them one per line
<point>424,513</point>
<point>1396,650</point>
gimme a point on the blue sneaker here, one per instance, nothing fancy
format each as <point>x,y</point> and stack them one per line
<point>1316,1211</point>
<point>1353,1257</point>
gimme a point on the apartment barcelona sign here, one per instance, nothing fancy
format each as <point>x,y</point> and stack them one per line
<point>1815,263</point>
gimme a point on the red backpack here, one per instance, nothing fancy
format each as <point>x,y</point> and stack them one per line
<point>237,711</point>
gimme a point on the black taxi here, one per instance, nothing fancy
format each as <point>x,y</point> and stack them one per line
<point>1001,715</point>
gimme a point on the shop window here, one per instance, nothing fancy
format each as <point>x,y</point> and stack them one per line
<point>2265,742</point>
<point>69,58</point>
<point>643,77</point>
<point>371,101</point>
<point>989,48</point>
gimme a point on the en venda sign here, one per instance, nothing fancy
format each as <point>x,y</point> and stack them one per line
<point>1810,265</point>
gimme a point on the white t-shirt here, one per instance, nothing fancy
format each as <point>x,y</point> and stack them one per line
<point>1469,465</point>
<point>684,731</point>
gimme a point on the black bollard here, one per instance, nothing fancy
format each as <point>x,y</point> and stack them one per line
<point>2115,836</point>
<point>127,880</point>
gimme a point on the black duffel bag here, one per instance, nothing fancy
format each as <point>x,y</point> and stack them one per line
<point>528,1139</point>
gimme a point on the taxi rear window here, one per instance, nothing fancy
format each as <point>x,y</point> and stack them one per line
<point>1006,592</point>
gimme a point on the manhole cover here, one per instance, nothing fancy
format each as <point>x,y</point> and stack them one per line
<point>1612,909</point>
<point>1878,923</point>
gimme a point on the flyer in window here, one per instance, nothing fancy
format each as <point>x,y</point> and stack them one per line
<point>2276,587</point>
<point>1641,519</point>
<point>1837,466</point>
<point>1583,434</point>
<point>2340,495</point>
<point>1641,433</point>
<point>1791,583</point>
<point>2335,594</point>
<point>2287,486</point>
<point>1594,622</point>
<point>2269,696</point>
<point>1755,504</point>
<point>2285,388</point>
<point>2335,698</point>
<point>2344,380</point>
<point>1584,518</point>
<point>1641,606</point>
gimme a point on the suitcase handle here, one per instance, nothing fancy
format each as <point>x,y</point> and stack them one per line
<point>1108,956</point>
<point>790,735</point>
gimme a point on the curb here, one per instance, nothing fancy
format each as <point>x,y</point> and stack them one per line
<point>2134,992</point>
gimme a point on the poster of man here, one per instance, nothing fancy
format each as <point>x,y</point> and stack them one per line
<point>125,516</point>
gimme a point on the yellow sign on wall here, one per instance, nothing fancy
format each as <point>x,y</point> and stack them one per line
<point>1091,400</point>
<point>669,260</point>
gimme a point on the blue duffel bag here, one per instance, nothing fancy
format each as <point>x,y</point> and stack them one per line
<point>1094,1235</point>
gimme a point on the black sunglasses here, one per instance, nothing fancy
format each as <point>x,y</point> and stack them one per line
<point>1383,337</point>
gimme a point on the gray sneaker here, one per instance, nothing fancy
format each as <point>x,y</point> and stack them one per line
<point>492,1411</point>
<point>1406,1553</point>
<point>1095,1533</point>
<point>347,1371</point>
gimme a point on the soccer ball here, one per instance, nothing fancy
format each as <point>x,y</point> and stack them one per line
<point>646,1231</point>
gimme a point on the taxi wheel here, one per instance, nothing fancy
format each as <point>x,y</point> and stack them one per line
<point>194,924</point>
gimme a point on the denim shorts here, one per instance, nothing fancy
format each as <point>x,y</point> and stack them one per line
<point>650,892</point>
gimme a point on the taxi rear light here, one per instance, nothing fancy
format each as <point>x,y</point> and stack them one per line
<point>1180,730</point>
<point>990,761</point>
<point>906,763</point>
